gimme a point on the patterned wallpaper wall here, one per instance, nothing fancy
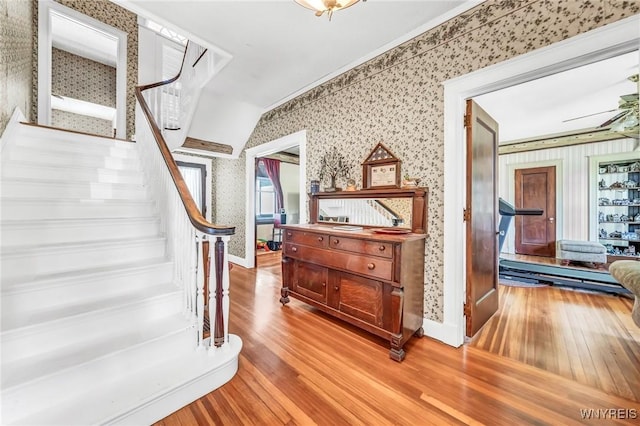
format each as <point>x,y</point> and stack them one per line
<point>82,78</point>
<point>111,14</point>
<point>81,123</point>
<point>397,98</point>
<point>16,38</point>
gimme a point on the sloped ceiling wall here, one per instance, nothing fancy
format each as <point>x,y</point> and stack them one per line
<point>397,98</point>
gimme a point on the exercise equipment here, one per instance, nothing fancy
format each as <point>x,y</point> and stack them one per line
<point>536,273</point>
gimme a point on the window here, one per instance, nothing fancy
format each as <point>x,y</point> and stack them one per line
<point>265,193</point>
<point>194,176</point>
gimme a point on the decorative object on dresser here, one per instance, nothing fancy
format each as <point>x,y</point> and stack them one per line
<point>381,169</point>
<point>333,165</point>
<point>372,280</point>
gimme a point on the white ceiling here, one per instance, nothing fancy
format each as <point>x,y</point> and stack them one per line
<point>82,40</point>
<point>279,48</point>
<point>551,104</point>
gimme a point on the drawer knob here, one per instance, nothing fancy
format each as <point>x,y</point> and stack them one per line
<point>288,234</point>
<point>382,248</point>
<point>336,241</point>
<point>294,249</point>
<point>324,284</point>
<point>320,238</point>
<point>371,266</point>
<point>336,288</point>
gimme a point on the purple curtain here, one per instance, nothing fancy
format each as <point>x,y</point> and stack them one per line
<point>272,168</point>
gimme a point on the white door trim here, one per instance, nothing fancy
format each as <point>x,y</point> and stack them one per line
<point>605,42</point>
<point>298,139</point>
<point>45,9</point>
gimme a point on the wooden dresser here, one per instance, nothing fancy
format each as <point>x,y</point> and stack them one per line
<point>371,280</point>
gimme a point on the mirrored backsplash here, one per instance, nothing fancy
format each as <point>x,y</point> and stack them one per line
<point>383,212</point>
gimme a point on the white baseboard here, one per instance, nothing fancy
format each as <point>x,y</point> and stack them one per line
<point>241,261</point>
<point>445,332</point>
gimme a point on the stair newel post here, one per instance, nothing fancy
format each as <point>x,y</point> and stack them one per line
<point>213,296</point>
<point>225,287</point>
<point>200,293</point>
<point>219,303</point>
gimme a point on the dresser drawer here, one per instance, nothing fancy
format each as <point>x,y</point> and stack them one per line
<point>375,248</point>
<point>370,266</point>
<point>307,238</point>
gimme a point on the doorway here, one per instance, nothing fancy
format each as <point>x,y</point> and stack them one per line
<point>298,139</point>
<point>606,42</point>
<point>80,45</point>
<point>535,188</point>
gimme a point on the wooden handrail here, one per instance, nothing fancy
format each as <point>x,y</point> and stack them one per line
<point>195,216</point>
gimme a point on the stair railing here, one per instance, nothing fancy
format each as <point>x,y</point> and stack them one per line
<point>167,107</point>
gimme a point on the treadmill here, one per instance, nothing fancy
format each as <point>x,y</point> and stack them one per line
<point>535,273</point>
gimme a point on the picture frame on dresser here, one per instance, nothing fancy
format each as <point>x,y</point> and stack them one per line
<point>381,169</point>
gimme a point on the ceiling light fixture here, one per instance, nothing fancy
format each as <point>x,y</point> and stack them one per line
<point>329,6</point>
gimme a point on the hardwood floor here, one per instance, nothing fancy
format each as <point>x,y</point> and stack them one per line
<point>300,367</point>
<point>586,337</point>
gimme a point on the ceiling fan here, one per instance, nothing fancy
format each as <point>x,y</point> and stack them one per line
<point>627,120</point>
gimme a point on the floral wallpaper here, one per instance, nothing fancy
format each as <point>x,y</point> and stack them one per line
<point>397,98</point>
<point>80,78</point>
<point>81,123</point>
<point>16,38</point>
<point>111,14</point>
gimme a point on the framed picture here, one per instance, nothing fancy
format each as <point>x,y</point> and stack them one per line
<point>381,169</point>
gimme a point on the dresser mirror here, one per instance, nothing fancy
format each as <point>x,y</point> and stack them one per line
<point>383,208</point>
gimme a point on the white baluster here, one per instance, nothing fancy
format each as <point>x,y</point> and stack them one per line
<point>200,296</point>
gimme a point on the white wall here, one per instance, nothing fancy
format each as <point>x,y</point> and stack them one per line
<point>572,214</point>
<point>290,181</point>
<point>224,120</point>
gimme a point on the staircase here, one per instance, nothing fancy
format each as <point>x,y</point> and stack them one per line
<point>93,325</point>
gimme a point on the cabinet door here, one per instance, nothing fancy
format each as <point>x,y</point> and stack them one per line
<point>359,297</point>
<point>310,280</point>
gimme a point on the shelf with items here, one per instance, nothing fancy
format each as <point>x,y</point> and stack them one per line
<point>618,207</point>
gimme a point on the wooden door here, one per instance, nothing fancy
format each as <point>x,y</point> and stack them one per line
<point>536,189</point>
<point>482,218</point>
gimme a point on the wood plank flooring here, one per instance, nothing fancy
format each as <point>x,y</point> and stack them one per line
<point>301,367</point>
<point>586,337</point>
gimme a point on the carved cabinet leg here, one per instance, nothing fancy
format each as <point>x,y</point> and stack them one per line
<point>396,353</point>
<point>284,292</point>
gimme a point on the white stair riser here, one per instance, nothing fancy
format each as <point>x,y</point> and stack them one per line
<point>27,265</point>
<point>56,232</point>
<point>85,329</point>
<point>115,149</point>
<point>70,384</point>
<point>71,159</point>
<point>75,174</point>
<point>36,296</point>
<point>47,209</point>
<point>87,190</point>
<point>58,135</point>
